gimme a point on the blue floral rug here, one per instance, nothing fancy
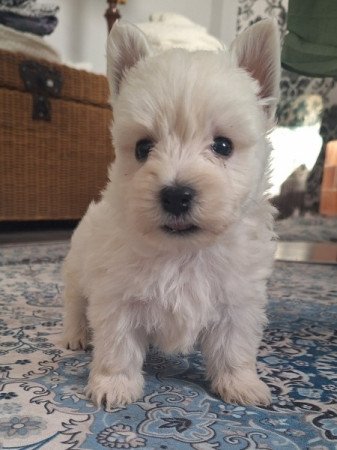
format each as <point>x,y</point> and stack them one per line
<point>42,405</point>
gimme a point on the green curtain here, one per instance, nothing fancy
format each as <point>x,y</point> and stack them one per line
<point>310,46</point>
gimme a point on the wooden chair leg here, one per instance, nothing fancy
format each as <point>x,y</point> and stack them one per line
<point>112,14</point>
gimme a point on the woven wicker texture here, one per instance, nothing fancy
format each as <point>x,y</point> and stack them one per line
<point>78,85</point>
<point>52,170</point>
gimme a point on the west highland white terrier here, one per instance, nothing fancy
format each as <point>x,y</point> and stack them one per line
<point>178,250</point>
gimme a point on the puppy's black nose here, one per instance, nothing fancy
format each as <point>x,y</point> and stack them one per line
<point>176,200</point>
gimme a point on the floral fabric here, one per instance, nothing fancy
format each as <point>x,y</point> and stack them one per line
<point>42,405</point>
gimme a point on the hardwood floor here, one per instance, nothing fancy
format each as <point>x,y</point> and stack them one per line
<point>21,232</point>
<point>319,253</point>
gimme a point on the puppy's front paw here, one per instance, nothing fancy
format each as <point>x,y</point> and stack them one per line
<point>114,390</point>
<point>242,387</point>
<point>76,339</point>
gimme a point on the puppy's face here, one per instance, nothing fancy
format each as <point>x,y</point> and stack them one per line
<point>189,136</point>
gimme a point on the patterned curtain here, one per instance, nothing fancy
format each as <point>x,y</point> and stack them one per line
<point>293,86</point>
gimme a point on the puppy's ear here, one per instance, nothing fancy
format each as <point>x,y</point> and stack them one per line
<point>126,46</point>
<point>257,50</point>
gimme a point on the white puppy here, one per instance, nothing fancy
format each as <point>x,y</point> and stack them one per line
<point>180,246</point>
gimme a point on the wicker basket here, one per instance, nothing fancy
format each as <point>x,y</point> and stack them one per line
<point>51,168</point>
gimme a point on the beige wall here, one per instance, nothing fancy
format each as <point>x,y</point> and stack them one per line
<point>81,33</point>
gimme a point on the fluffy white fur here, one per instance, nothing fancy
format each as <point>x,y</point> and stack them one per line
<point>130,282</point>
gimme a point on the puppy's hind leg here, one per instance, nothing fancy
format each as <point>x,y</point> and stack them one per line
<point>75,326</point>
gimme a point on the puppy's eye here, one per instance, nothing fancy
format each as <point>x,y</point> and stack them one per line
<point>223,146</point>
<point>143,149</point>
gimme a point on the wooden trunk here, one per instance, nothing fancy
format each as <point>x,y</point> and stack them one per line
<point>51,168</point>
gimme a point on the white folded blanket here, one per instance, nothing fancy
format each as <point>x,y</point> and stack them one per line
<point>170,30</point>
<point>28,44</point>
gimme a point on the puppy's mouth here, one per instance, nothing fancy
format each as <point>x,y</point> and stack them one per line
<point>180,229</point>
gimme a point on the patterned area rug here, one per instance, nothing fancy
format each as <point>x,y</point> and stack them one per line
<point>42,405</point>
